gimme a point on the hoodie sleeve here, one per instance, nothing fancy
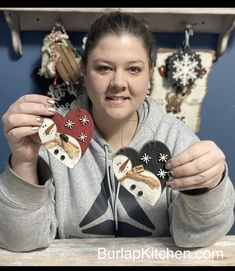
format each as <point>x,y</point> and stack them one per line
<point>27,211</point>
<point>201,220</point>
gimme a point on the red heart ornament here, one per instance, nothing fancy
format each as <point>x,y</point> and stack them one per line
<point>67,137</point>
<point>77,123</point>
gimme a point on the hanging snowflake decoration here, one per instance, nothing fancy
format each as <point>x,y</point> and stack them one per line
<point>82,137</point>
<point>183,67</point>
<point>84,120</point>
<point>162,157</point>
<point>146,158</point>
<point>162,173</point>
<point>69,124</point>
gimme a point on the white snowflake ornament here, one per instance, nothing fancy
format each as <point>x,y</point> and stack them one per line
<point>84,120</point>
<point>183,67</point>
<point>82,137</point>
<point>162,173</point>
<point>146,158</point>
<point>69,124</point>
<point>162,157</point>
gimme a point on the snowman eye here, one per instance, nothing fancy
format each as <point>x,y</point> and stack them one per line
<point>140,193</point>
<point>133,187</point>
<point>56,151</point>
<point>62,157</point>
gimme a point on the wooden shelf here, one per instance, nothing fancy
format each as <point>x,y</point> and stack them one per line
<point>169,20</point>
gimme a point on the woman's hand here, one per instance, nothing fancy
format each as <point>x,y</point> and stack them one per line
<point>201,165</point>
<point>21,123</point>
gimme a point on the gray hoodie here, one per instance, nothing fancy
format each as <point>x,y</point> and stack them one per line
<point>86,202</point>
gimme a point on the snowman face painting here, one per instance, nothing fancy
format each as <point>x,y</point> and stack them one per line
<point>63,147</point>
<point>140,182</point>
<point>143,172</point>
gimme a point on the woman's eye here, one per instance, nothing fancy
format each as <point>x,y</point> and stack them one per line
<point>103,68</point>
<point>134,69</point>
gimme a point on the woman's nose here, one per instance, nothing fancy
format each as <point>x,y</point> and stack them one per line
<point>118,81</point>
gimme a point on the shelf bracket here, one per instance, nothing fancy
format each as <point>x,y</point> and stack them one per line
<point>224,37</point>
<point>12,19</point>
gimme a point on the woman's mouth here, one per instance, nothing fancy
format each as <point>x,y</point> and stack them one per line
<point>117,98</point>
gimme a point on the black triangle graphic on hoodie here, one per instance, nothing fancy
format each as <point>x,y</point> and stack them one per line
<point>131,206</point>
<point>99,206</point>
<point>124,229</point>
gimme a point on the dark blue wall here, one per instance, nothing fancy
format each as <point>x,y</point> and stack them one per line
<point>218,108</point>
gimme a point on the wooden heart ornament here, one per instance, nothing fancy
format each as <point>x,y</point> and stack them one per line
<point>143,173</point>
<point>67,137</point>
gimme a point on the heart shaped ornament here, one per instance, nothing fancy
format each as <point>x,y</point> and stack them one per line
<point>143,173</point>
<point>67,137</point>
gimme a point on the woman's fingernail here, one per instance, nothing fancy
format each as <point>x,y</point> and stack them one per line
<point>50,101</point>
<point>168,165</point>
<point>35,128</point>
<point>52,109</point>
<point>171,174</point>
<point>39,119</point>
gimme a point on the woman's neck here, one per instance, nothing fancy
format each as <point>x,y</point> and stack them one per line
<point>117,133</point>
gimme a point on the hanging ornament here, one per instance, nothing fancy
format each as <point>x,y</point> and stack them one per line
<point>143,173</point>
<point>60,60</point>
<point>183,67</point>
<point>66,137</point>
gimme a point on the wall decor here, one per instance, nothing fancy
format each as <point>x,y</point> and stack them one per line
<point>184,102</point>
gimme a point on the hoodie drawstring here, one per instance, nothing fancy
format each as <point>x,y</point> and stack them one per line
<point>113,194</point>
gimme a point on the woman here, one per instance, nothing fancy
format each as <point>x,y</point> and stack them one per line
<point>41,199</point>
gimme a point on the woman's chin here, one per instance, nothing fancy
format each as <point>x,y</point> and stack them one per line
<point>119,115</point>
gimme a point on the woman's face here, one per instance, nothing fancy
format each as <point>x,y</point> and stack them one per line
<point>117,76</point>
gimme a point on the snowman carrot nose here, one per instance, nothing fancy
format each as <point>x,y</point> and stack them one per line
<point>48,130</point>
<point>122,167</point>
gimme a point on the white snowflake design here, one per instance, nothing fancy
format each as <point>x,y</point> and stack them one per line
<point>162,157</point>
<point>146,158</point>
<point>82,137</point>
<point>84,120</point>
<point>69,124</point>
<point>162,173</point>
<point>186,69</point>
